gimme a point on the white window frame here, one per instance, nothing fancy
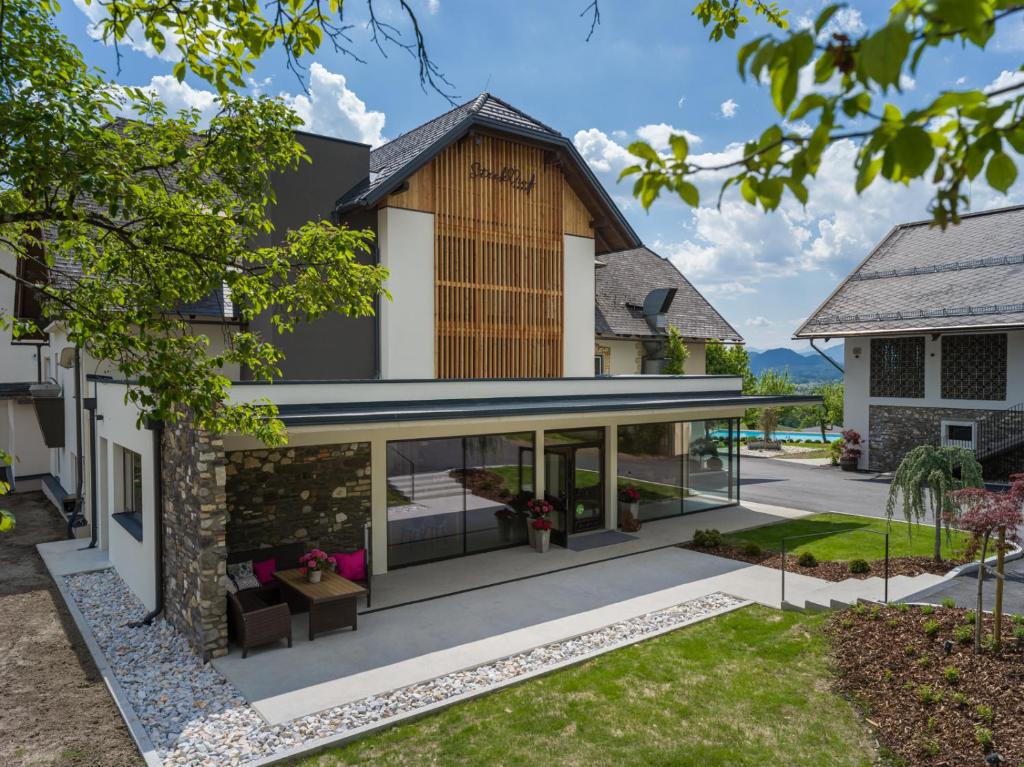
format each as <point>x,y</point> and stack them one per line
<point>970,444</point>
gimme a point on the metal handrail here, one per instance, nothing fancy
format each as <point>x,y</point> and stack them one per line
<point>835,532</point>
<point>1000,431</point>
<point>412,474</point>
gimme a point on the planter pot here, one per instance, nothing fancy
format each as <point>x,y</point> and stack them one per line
<point>531,533</point>
<point>313,576</point>
<point>629,516</point>
<point>505,529</point>
<point>714,463</point>
<point>848,464</point>
<point>541,540</point>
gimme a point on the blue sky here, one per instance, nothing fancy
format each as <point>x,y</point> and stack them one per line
<point>649,69</point>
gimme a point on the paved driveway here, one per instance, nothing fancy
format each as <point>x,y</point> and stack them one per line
<point>812,488</point>
<point>964,589</point>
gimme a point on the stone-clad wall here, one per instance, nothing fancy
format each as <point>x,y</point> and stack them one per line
<point>895,430</point>
<point>195,516</point>
<point>318,495</point>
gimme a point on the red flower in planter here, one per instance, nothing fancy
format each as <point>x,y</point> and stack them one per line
<point>541,523</point>
<point>629,494</point>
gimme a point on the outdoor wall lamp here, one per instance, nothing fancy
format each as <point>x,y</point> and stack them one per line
<point>856,352</point>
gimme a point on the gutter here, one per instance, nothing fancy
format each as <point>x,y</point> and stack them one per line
<point>79,458</point>
<point>157,428</point>
<point>90,405</point>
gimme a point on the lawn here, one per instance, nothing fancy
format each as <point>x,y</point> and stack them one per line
<point>832,546</point>
<point>751,687</point>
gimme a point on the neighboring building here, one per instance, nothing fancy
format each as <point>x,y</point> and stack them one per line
<point>933,323</point>
<point>425,429</point>
<point>639,295</point>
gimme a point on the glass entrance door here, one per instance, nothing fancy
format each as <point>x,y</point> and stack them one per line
<point>574,482</point>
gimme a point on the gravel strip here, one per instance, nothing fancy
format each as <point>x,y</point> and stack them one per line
<point>196,718</point>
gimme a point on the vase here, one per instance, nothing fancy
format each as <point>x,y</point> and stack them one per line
<point>541,540</point>
<point>531,532</point>
<point>314,576</point>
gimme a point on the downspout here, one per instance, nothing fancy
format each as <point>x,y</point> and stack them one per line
<point>90,405</point>
<point>158,494</point>
<point>830,361</point>
<point>79,459</point>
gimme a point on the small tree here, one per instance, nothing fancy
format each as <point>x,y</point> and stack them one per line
<point>932,470</point>
<point>676,353</point>
<point>772,382</point>
<point>830,412</point>
<point>982,512</point>
<point>769,422</point>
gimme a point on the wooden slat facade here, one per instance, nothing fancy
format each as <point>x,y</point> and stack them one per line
<point>498,257</point>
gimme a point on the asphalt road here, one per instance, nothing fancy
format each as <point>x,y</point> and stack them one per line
<point>964,589</point>
<point>782,482</point>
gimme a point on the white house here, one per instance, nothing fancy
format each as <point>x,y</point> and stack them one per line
<point>933,323</point>
<point>422,432</point>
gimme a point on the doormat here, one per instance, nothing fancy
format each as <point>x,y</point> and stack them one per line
<point>597,540</point>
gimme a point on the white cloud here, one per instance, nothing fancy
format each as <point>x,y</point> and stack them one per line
<point>907,83</point>
<point>729,108</point>
<point>601,153</point>
<point>845,21</point>
<point>1006,79</point>
<point>757,322</point>
<point>433,6</point>
<point>330,108</point>
<point>682,100</point>
<point>657,135</point>
<point>961,80</point>
<point>135,38</point>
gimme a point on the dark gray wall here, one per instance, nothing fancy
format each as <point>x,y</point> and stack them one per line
<point>334,346</point>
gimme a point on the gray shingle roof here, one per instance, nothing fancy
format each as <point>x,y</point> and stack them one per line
<point>390,159</point>
<point>923,278</point>
<point>627,278</point>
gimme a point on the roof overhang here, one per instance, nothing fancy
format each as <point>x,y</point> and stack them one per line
<point>806,335</point>
<point>612,231</point>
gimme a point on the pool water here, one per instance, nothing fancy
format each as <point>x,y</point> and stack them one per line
<point>803,436</point>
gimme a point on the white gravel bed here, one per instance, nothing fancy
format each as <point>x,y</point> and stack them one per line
<point>196,718</point>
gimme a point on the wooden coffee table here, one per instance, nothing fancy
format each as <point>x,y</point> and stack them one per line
<point>331,602</point>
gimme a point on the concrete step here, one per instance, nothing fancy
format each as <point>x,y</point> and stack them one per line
<point>843,594</point>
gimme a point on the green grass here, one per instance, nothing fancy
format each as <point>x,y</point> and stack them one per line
<point>749,688</point>
<point>844,547</point>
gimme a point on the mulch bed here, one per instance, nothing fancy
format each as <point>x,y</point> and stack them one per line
<point>483,484</point>
<point>887,662</point>
<point>831,571</point>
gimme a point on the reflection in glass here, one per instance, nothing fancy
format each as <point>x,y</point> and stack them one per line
<point>454,496</point>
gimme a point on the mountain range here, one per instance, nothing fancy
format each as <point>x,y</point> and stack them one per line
<point>804,367</point>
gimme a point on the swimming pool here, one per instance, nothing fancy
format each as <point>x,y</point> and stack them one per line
<point>804,436</point>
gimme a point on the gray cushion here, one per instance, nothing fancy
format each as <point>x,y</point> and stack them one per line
<point>242,575</point>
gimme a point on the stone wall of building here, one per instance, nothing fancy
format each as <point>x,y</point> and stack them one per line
<point>318,495</point>
<point>195,517</point>
<point>895,430</point>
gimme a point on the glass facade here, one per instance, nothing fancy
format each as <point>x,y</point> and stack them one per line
<point>678,467</point>
<point>458,495</point>
<point>574,480</point>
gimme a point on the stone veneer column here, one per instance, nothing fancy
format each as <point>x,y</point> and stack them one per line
<point>195,552</point>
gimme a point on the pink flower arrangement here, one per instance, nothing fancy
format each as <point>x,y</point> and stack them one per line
<point>540,510</point>
<point>629,494</point>
<point>316,560</point>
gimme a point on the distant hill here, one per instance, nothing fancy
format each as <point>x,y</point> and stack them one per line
<point>835,352</point>
<point>803,368</point>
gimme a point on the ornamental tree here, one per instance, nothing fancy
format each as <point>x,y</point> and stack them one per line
<point>924,480</point>
<point>676,353</point>
<point>982,512</point>
<point>114,224</point>
<point>961,137</point>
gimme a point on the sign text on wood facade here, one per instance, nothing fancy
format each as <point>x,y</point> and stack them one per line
<point>507,175</point>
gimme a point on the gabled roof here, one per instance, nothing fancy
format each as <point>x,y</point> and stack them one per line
<point>392,163</point>
<point>623,283</point>
<point>921,278</point>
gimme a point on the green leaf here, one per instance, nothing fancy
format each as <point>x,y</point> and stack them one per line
<point>881,56</point>
<point>629,170</point>
<point>644,151</point>
<point>866,173</point>
<point>823,18</point>
<point>912,149</point>
<point>680,148</point>
<point>688,192</point>
<point>784,82</point>
<point>179,70</point>
<point>749,189</point>
<point>1001,172</point>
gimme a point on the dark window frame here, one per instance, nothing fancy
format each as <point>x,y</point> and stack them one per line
<point>131,494</point>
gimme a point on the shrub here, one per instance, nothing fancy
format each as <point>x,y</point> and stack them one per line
<point>859,566</point>
<point>949,603</point>
<point>927,609</point>
<point>1018,634</point>
<point>1018,619</point>
<point>931,628</point>
<point>984,737</point>
<point>960,699</point>
<point>984,713</point>
<point>909,650</point>
<point>951,674</point>
<point>860,609</point>
<point>807,559</point>
<point>707,539</point>
<point>969,617</point>
<point>963,634</point>
<point>928,694</point>
<point>751,549</point>
<point>923,662</point>
<point>929,747</point>
<point>903,607</point>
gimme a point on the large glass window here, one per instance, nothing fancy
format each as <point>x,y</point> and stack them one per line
<point>459,495</point>
<point>974,366</point>
<point>678,467</point>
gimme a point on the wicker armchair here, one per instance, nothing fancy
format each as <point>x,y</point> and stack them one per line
<point>254,622</point>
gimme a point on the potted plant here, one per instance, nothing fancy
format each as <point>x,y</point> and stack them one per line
<point>541,527</point>
<point>850,455</point>
<point>313,563</point>
<point>629,508</point>
<point>538,508</point>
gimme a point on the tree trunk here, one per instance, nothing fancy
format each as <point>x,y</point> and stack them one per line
<point>997,632</point>
<point>937,514</point>
<point>981,585</point>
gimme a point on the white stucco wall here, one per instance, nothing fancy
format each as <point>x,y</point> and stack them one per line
<point>857,382</point>
<point>406,246</point>
<point>578,307</point>
<point>17,361</point>
<point>627,357</point>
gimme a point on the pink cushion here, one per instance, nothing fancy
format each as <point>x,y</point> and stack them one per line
<point>352,565</point>
<point>264,571</point>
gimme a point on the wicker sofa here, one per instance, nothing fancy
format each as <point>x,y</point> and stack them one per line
<point>261,615</point>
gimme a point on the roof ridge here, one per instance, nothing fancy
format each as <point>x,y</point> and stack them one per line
<point>972,214</point>
<point>487,95</point>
